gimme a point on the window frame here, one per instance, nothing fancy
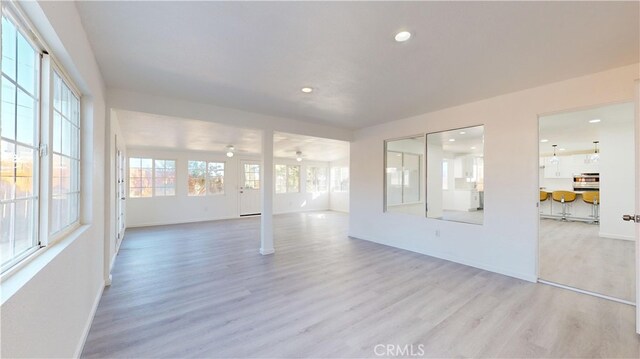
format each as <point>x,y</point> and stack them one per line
<point>49,82</point>
<point>175,177</point>
<point>340,170</point>
<point>21,26</point>
<point>286,178</point>
<point>207,179</point>
<point>315,182</point>
<point>153,176</point>
<point>46,65</point>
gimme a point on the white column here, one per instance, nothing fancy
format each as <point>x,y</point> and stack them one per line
<point>266,191</point>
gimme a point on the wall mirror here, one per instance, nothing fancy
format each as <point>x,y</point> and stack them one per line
<point>455,175</point>
<point>404,175</point>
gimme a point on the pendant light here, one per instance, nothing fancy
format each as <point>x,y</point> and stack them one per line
<point>555,158</point>
<point>595,157</point>
<point>298,156</point>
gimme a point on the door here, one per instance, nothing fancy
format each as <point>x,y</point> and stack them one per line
<point>250,201</point>
<point>120,196</point>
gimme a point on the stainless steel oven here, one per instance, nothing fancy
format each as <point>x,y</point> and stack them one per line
<point>586,182</point>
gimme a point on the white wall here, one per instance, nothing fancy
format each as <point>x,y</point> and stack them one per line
<point>339,201</point>
<point>182,208</point>
<point>507,242</point>
<point>48,304</point>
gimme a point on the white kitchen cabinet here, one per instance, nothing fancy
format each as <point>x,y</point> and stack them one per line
<point>464,167</point>
<point>569,166</point>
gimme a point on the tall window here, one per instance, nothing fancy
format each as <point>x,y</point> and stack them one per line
<point>140,177</point>
<point>164,182</point>
<point>316,179</point>
<point>287,178</point>
<point>65,171</point>
<point>340,179</point>
<point>205,178</point>
<point>19,141</point>
<point>39,144</point>
<point>215,177</point>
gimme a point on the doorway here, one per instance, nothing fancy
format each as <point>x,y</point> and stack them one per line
<point>120,196</point>
<point>250,200</point>
<point>587,183</point>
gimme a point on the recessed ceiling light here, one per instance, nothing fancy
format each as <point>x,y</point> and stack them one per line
<point>595,120</point>
<point>473,148</point>
<point>452,140</point>
<point>544,140</point>
<point>562,149</point>
<point>403,36</point>
<point>307,89</point>
<point>462,132</point>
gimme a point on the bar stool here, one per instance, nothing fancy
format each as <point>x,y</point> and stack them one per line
<point>593,198</point>
<point>543,197</point>
<point>564,197</point>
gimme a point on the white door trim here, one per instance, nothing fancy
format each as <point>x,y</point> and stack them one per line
<point>637,225</point>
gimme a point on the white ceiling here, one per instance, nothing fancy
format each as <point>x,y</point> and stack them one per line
<point>256,56</point>
<point>142,130</point>
<point>149,131</point>
<point>573,132</point>
<point>285,145</point>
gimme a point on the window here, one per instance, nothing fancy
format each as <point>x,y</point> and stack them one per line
<point>19,141</point>
<point>140,177</point>
<point>251,176</point>
<point>340,179</point>
<point>287,179</point>
<point>65,171</point>
<point>445,174</point>
<point>206,178</point>
<point>215,177</point>
<point>39,144</point>
<point>164,182</point>
<point>316,179</point>
<point>150,177</point>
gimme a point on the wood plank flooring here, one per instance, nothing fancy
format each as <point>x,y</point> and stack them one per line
<point>571,253</point>
<point>202,290</point>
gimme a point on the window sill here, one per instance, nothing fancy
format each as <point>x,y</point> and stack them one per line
<point>19,275</point>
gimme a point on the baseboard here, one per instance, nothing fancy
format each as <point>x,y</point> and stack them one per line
<point>338,210</point>
<point>164,223</point>
<point>616,236</point>
<point>302,210</point>
<point>87,327</point>
<point>470,263</point>
<point>168,223</point>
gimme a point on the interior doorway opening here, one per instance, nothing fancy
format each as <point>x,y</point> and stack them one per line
<point>587,182</point>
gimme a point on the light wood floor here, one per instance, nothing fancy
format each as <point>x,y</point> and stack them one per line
<point>571,253</point>
<point>202,290</point>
